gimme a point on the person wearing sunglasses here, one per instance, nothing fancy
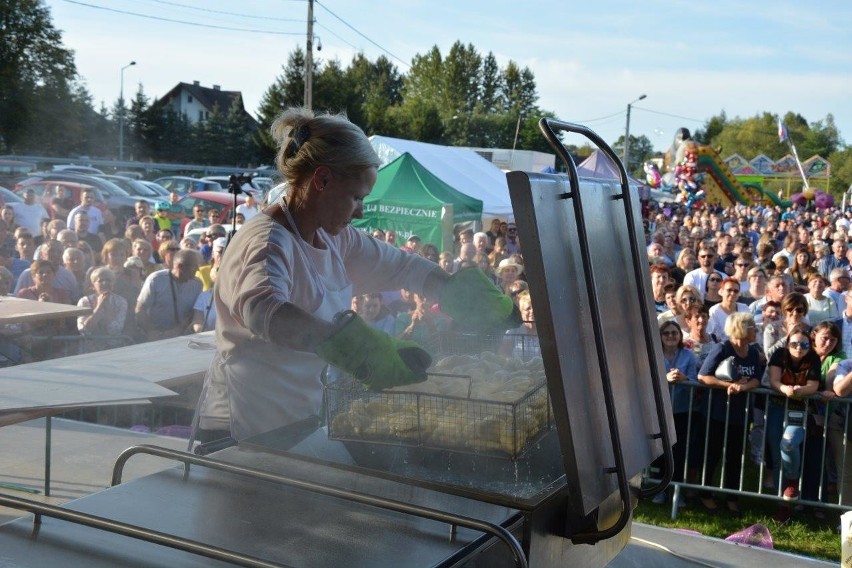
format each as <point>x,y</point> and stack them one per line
<point>728,401</point>
<point>681,367</point>
<point>712,290</point>
<point>513,245</point>
<point>730,292</point>
<point>205,245</point>
<point>198,220</point>
<point>742,264</point>
<point>698,277</point>
<point>685,296</point>
<point>794,373</point>
<point>794,310</point>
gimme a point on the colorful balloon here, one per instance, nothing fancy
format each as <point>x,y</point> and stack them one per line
<point>652,174</point>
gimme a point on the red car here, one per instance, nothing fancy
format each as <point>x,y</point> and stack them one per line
<point>67,191</point>
<point>219,200</point>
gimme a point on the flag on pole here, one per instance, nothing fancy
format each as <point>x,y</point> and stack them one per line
<point>782,132</point>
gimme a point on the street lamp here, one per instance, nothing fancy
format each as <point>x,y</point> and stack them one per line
<point>626,152</point>
<point>309,59</point>
<point>121,114</point>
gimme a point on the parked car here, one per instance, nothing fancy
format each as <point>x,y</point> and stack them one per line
<point>184,184</point>
<point>155,187</point>
<point>118,201</point>
<point>132,175</point>
<point>218,200</point>
<point>263,183</point>
<point>45,190</point>
<point>9,196</point>
<point>75,169</point>
<point>136,189</point>
<point>259,185</point>
<point>12,171</point>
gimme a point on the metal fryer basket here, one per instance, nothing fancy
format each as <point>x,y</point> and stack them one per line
<point>463,421</point>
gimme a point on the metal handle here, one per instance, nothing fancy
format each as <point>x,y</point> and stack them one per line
<point>380,502</point>
<point>549,127</point>
<point>134,531</point>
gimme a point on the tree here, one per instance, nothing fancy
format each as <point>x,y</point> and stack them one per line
<point>287,91</point>
<point>519,91</point>
<point>752,136</point>
<point>821,138</point>
<point>35,68</point>
<point>712,128</point>
<point>333,92</point>
<point>135,126</point>
<point>641,149</point>
<point>376,88</point>
<point>841,171</point>
<point>169,134</point>
<point>490,94</point>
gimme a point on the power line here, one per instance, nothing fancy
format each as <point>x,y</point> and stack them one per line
<point>326,28</point>
<point>181,21</point>
<point>348,25</point>
<point>602,117</point>
<point>668,114</point>
<point>179,5</point>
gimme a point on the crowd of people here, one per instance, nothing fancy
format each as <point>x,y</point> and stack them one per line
<point>409,315</point>
<point>751,297</point>
<point>148,282</point>
<point>155,282</point>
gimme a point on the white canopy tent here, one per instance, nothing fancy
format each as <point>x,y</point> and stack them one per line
<point>461,168</point>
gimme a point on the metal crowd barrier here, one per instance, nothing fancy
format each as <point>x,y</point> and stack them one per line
<point>825,469</point>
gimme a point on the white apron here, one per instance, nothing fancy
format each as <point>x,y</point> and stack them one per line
<point>268,386</point>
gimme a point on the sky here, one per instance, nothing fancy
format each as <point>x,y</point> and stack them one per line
<point>692,60</point>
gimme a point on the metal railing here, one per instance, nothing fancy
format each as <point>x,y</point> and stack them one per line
<point>736,449</point>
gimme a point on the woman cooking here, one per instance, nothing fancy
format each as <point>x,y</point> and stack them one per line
<point>287,279</point>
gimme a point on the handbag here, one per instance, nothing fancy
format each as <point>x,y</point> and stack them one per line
<point>726,370</point>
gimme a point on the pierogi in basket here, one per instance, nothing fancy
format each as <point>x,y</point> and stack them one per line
<point>491,403</point>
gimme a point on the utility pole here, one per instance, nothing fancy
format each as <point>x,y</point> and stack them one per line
<point>121,115</point>
<point>309,58</point>
<point>626,153</point>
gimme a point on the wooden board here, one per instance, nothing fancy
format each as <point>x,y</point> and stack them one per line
<point>19,310</point>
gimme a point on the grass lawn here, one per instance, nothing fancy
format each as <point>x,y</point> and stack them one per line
<point>802,534</point>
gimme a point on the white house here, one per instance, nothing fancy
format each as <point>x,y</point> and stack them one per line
<point>197,102</point>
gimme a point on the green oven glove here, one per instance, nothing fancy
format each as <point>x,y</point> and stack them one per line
<point>477,304</point>
<point>371,356</point>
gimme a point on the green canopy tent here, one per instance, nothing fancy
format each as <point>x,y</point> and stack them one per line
<point>408,199</point>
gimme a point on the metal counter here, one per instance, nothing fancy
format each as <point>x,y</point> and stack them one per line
<point>283,525</point>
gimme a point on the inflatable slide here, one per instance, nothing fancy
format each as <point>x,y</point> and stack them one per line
<point>721,186</point>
